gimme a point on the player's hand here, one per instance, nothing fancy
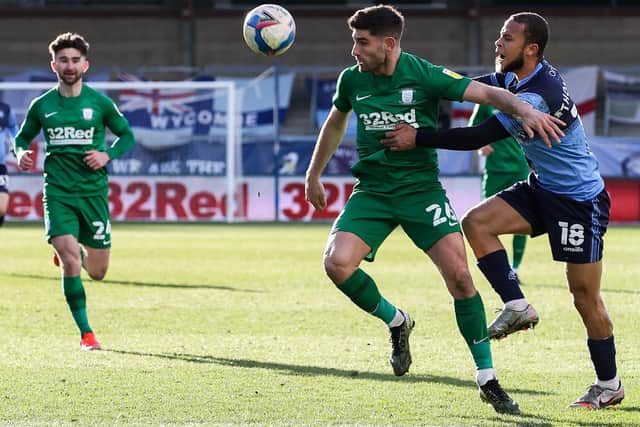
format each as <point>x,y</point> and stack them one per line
<point>96,159</point>
<point>25,160</point>
<point>545,125</point>
<point>314,192</point>
<point>401,139</point>
<point>486,150</point>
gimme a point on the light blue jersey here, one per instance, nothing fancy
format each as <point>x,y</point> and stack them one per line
<point>568,168</point>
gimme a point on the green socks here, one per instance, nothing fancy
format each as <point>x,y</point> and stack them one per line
<point>362,290</point>
<point>472,323</point>
<point>519,242</point>
<point>77,301</point>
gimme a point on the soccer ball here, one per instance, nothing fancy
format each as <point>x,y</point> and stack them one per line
<point>269,30</point>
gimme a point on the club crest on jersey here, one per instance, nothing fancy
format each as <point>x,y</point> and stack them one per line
<point>87,113</point>
<point>406,96</point>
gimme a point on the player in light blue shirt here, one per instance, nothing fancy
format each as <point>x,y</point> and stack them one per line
<point>564,197</point>
<point>8,129</point>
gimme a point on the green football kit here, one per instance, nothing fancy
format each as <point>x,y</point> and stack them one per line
<point>401,188</point>
<point>397,187</point>
<point>75,196</point>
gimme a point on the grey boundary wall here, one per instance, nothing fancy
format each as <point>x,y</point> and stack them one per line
<point>144,38</point>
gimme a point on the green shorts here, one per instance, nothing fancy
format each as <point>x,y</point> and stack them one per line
<point>425,217</point>
<point>86,218</point>
<point>494,182</point>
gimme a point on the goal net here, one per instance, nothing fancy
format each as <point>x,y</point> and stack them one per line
<point>186,164</point>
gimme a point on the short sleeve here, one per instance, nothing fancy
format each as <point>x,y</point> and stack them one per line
<point>446,84</point>
<point>341,97</point>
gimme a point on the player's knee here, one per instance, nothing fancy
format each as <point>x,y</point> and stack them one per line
<point>587,302</point>
<point>337,268</point>
<point>468,223</point>
<point>71,263</point>
<point>460,283</point>
<point>97,273</point>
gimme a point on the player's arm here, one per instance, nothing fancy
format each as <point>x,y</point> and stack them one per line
<point>533,121</point>
<point>28,131</point>
<point>329,139</point>
<point>406,137</point>
<point>119,126</point>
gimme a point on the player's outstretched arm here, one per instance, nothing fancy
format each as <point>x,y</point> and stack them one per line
<point>406,137</point>
<point>329,139</point>
<point>533,121</point>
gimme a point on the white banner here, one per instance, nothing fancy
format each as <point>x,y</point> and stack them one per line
<point>188,199</point>
<point>582,84</point>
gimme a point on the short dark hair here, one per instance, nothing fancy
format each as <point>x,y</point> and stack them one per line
<point>380,20</point>
<point>536,29</point>
<point>67,40</point>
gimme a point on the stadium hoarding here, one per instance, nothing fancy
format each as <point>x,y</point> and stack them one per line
<point>193,199</point>
<point>204,199</point>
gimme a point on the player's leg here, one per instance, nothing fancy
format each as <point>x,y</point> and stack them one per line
<point>448,254</point>
<point>436,231</point>
<point>66,248</point>
<point>584,284</point>
<point>355,235</point>
<point>62,227</point>
<point>95,235</point>
<point>482,225</point>
<point>578,240</point>
<point>96,262</point>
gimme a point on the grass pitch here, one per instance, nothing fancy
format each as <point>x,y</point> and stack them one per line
<point>218,324</point>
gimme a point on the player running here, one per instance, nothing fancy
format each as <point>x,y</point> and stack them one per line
<point>73,118</point>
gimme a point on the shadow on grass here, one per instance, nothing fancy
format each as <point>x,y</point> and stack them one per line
<point>312,370</point>
<point>535,420</point>
<point>145,284</point>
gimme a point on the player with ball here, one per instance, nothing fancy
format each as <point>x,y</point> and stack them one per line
<point>385,87</point>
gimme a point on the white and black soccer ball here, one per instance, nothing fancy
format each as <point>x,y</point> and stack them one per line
<point>269,30</point>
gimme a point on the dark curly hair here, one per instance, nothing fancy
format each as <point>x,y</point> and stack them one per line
<point>380,20</point>
<point>67,40</point>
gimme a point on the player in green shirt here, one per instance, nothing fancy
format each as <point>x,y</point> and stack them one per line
<point>505,165</point>
<point>73,118</point>
<point>386,87</point>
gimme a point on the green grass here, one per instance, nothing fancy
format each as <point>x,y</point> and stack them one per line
<point>216,324</point>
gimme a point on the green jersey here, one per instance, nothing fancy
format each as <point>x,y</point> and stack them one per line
<point>507,155</point>
<point>411,95</point>
<point>72,126</point>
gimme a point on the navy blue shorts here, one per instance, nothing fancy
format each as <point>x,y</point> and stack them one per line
<point>4,179</point>
<point>575,229</point>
